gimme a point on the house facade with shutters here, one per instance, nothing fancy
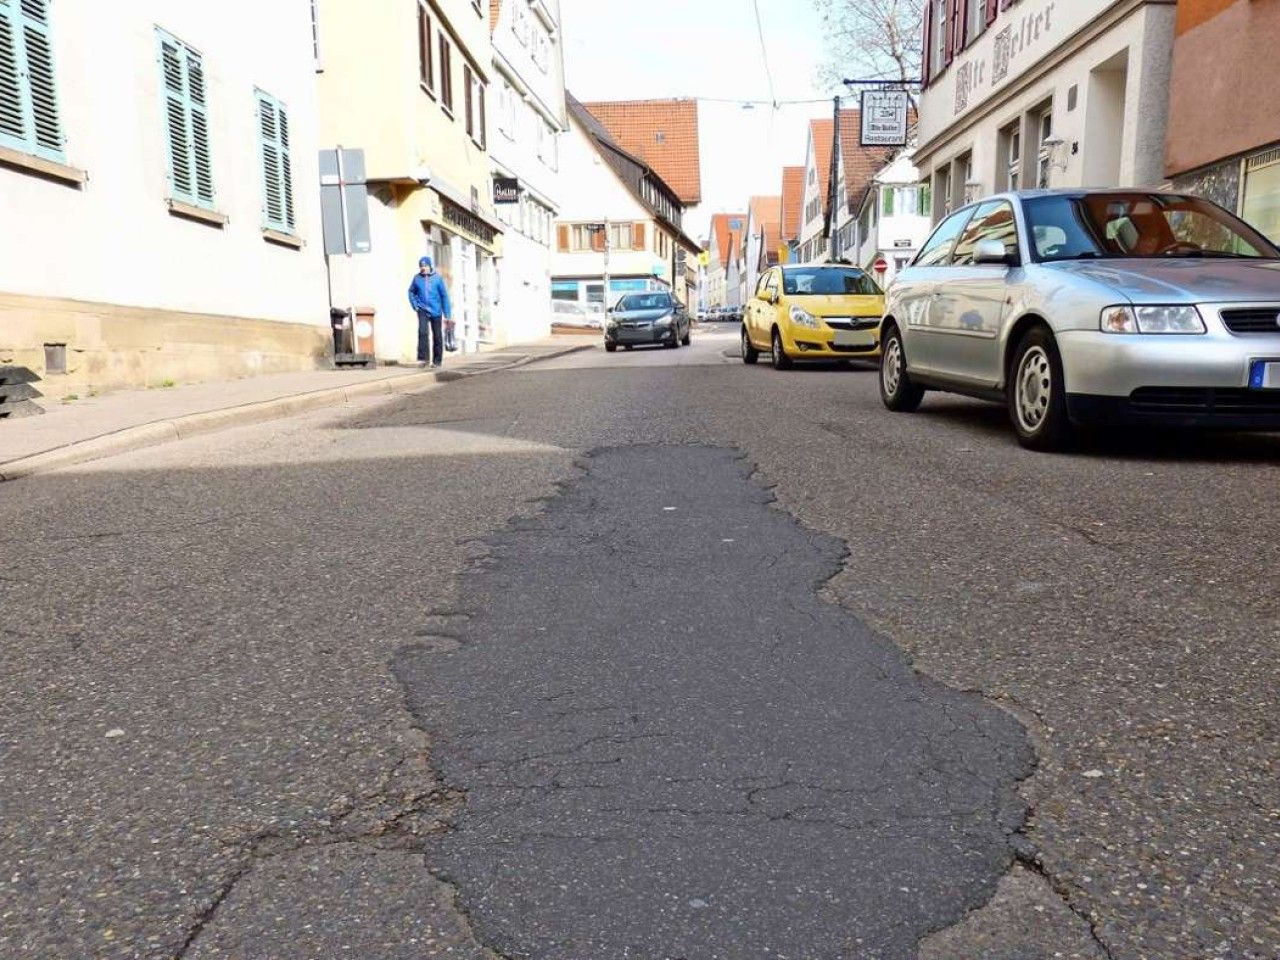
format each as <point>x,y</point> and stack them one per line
<point>422,118</point>
<point>1042,93</point>
<point>526,121</point>
<point>158,221</point>
<point>606,184</point>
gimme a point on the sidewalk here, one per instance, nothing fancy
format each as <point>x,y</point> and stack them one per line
<point>80,430</point>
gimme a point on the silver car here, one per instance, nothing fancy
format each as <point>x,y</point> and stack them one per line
<point>1091,307</point>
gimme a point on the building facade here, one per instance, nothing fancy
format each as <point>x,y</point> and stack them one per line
<point>1224,134</point>
<point>893,220</point>
<point>814,241</point>
<point>763,237</point>
<point>1042,93</point>
<point>173,236</point>
<point>525,126</point>
<point>793,179</point>
<point>421,119</point>
<point>613,188</point>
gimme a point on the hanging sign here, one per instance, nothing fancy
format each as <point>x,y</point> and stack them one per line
<point>884,118</point>
<point>506,190</point>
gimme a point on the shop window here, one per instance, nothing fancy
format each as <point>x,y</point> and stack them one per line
<point>1261,206</point>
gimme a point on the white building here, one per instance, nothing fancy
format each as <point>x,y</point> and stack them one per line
<point>893,220</point>
<point>1056,93</point>
<point>606,184</point>
<point>158,171</point>
<point>525,127</point>
<point>814,244</point>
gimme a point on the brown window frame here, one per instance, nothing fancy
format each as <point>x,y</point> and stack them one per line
<point>468,85</point>
<point>426,50</point>
<point>446,74</point>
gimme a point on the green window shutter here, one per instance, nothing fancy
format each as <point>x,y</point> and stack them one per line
<point>29,119</point>
<point>186,123</point>
<point>886,197</point>
<point>277,164</point>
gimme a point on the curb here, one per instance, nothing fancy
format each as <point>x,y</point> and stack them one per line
<point>211,421</point>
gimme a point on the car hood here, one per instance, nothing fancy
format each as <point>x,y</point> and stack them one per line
<point>640,316</point>
<point>843,305</point>
<point>1181,280</point>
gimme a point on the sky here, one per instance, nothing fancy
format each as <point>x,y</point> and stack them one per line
<point>641,49</point>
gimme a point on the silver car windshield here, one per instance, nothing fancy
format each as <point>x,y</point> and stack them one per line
<point>1109,226</point>
<point>651,301</point>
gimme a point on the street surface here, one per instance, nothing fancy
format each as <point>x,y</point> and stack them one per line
<point>647,655</point>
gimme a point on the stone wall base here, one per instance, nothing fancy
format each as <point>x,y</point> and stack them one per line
<point>112,347</point>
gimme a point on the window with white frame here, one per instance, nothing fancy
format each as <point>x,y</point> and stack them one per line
<point>977,20</point>
<point>1013,156</point>
<point>1045,158</point>
<point>939,52</point>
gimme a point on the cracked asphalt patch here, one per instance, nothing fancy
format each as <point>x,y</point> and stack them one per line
<point>672,746</point>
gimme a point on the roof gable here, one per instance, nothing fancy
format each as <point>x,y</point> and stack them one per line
<point>726,228</point>
<point>792,202</point>
<point>664,134</point>
<point>860,164</point>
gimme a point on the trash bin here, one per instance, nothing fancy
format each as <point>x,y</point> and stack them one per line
<point>340,321</point>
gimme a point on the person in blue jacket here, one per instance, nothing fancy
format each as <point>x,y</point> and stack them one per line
<point>429,296</point>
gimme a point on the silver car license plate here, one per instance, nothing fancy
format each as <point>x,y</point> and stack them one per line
<point>1264,375</point>
<point>854,338</point>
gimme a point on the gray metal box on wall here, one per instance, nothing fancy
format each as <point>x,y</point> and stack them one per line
<point>344,202</point>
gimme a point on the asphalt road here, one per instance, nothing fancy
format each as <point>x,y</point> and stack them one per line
<point>445,677</point>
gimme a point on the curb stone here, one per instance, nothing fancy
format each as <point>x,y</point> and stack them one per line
<point>163,431</point>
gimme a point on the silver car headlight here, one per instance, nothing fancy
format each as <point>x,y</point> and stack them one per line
<point>803,318</point>
<point>1177,319</point>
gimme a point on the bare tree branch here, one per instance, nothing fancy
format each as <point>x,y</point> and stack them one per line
<point>870,40</point>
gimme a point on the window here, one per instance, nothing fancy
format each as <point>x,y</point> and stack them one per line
<point>991,221</point>
<point>763,284</point>
<point>186,111</point>
<point>468,82</point>
<point>977,20</point>
<point>277,164</point>
<point>1046,150</point>
<point>426,59</point>
<point>937,250</point>
<point>1013,157</point>
<point>1262,193</point>
<point>939,35</point>
<point>828,281</point>
<point>446,74</point>
<point>29,119</point>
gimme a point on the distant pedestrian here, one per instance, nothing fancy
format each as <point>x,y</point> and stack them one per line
<point>429,297</point>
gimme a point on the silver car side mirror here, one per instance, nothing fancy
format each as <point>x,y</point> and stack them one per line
<point>993,251</point>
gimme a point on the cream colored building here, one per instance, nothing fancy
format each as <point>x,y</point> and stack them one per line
<point>1043,93</point>
<point>407,83</point>
<point>157,171</point>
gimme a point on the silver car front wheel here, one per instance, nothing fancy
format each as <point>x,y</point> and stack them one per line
<point>1034,387</point>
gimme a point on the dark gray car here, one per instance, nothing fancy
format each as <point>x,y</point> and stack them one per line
<point>647,319</point>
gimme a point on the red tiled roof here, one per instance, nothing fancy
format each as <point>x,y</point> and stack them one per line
<point>792,202</point>
<point>726,237</point>
<point>861,164</point>
<point>824,134</point>
<point>766,215</point>
<point>495,11</point>
<point>662,133</point>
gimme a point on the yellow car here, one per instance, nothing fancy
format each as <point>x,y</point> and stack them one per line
<point>813,312</point>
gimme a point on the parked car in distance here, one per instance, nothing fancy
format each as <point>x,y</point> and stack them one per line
<point>640,319</point>
<point>578,316</point>
<point>1080,307</point>
<point>813,312</point>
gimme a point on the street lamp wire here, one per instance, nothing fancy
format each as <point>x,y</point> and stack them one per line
<point>764,52</point>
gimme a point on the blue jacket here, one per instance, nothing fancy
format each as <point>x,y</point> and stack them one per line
<point>429,293</point>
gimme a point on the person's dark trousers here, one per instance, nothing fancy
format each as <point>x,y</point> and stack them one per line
<point>432,327</point>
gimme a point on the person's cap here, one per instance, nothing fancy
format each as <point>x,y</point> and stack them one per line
<point>425,262</point>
